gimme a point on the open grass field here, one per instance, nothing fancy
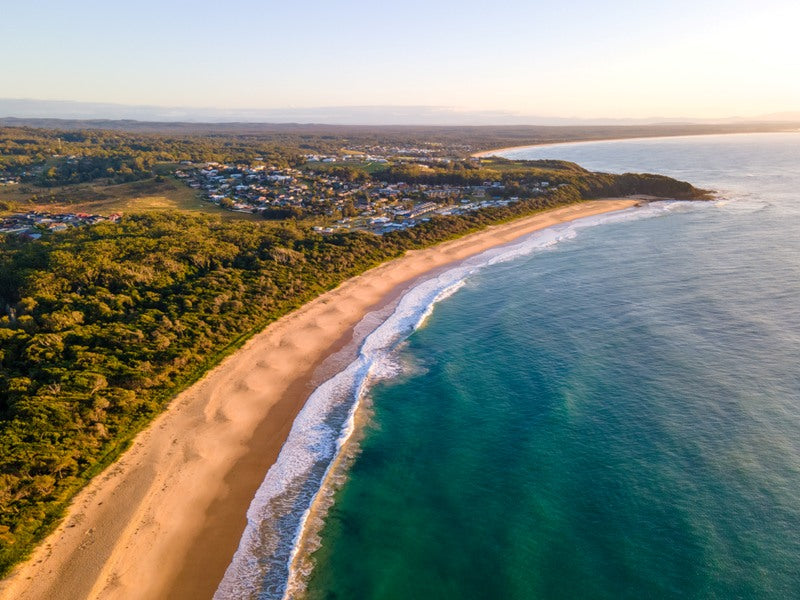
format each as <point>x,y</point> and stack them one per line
<point>155,194</point>
<point>366,166</point>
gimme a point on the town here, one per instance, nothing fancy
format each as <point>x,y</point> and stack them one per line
<point>363,185</point>
<point>33,224</point>
<point>340,191</point>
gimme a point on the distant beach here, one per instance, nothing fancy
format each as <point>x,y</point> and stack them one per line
<point>499,151</point>
<point>505,149</point>
<point>165,520</point>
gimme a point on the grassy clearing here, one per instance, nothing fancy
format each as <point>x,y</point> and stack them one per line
<point>368,166</point>
<point>147,195</point>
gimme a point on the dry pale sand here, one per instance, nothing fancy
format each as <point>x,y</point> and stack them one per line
<point>496,151</point>
<point>165,520</point>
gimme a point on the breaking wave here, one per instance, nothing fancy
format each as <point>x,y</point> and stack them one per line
<point>261,567</point>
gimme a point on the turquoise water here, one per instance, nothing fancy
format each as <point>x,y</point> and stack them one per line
<point>614,416</point>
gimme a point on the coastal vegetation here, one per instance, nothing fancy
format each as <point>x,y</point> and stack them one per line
<point>100,326</point>
<point>85,155</point>
<point>516,175</point>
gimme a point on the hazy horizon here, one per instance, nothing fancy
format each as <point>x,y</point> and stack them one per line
<point>23,108</point>
<point>511,62</point>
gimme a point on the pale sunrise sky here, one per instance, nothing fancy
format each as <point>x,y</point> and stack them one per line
<point>586,59</point>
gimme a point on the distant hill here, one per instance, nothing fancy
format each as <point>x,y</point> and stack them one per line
<point>472,137</point>
<point>341,115</point>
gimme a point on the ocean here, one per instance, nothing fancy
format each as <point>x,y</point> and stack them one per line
<point>607,409</point>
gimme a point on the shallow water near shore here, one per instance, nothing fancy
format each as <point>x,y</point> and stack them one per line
<point>617,417</point>
<point>278,515</point>
<point>597,412</point>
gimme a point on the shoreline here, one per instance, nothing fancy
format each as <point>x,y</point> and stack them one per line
<point>496,151</point>
<point>167,517</point>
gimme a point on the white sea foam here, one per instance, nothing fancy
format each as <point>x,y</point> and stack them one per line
<point>278,512</point>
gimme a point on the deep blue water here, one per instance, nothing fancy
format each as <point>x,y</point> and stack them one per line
<point>615,416</point>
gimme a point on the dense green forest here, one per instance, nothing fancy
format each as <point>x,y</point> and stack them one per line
<point>55,157</point>
<point>101,326</point>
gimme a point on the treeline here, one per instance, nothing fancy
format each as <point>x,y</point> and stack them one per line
<point>440,140</point>
<point>101,326</point>
<point>79,155</point>
<point>90,168</point>
<point>517,175</point>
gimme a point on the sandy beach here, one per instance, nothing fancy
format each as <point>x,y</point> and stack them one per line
<point>498,151</point>
<point>165,520</point>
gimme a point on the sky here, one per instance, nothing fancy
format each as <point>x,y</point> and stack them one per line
<point>581,58</point>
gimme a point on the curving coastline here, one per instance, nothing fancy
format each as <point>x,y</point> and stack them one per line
<point>377,353</point>
<point>166,519</point>
<point>499,151</point>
